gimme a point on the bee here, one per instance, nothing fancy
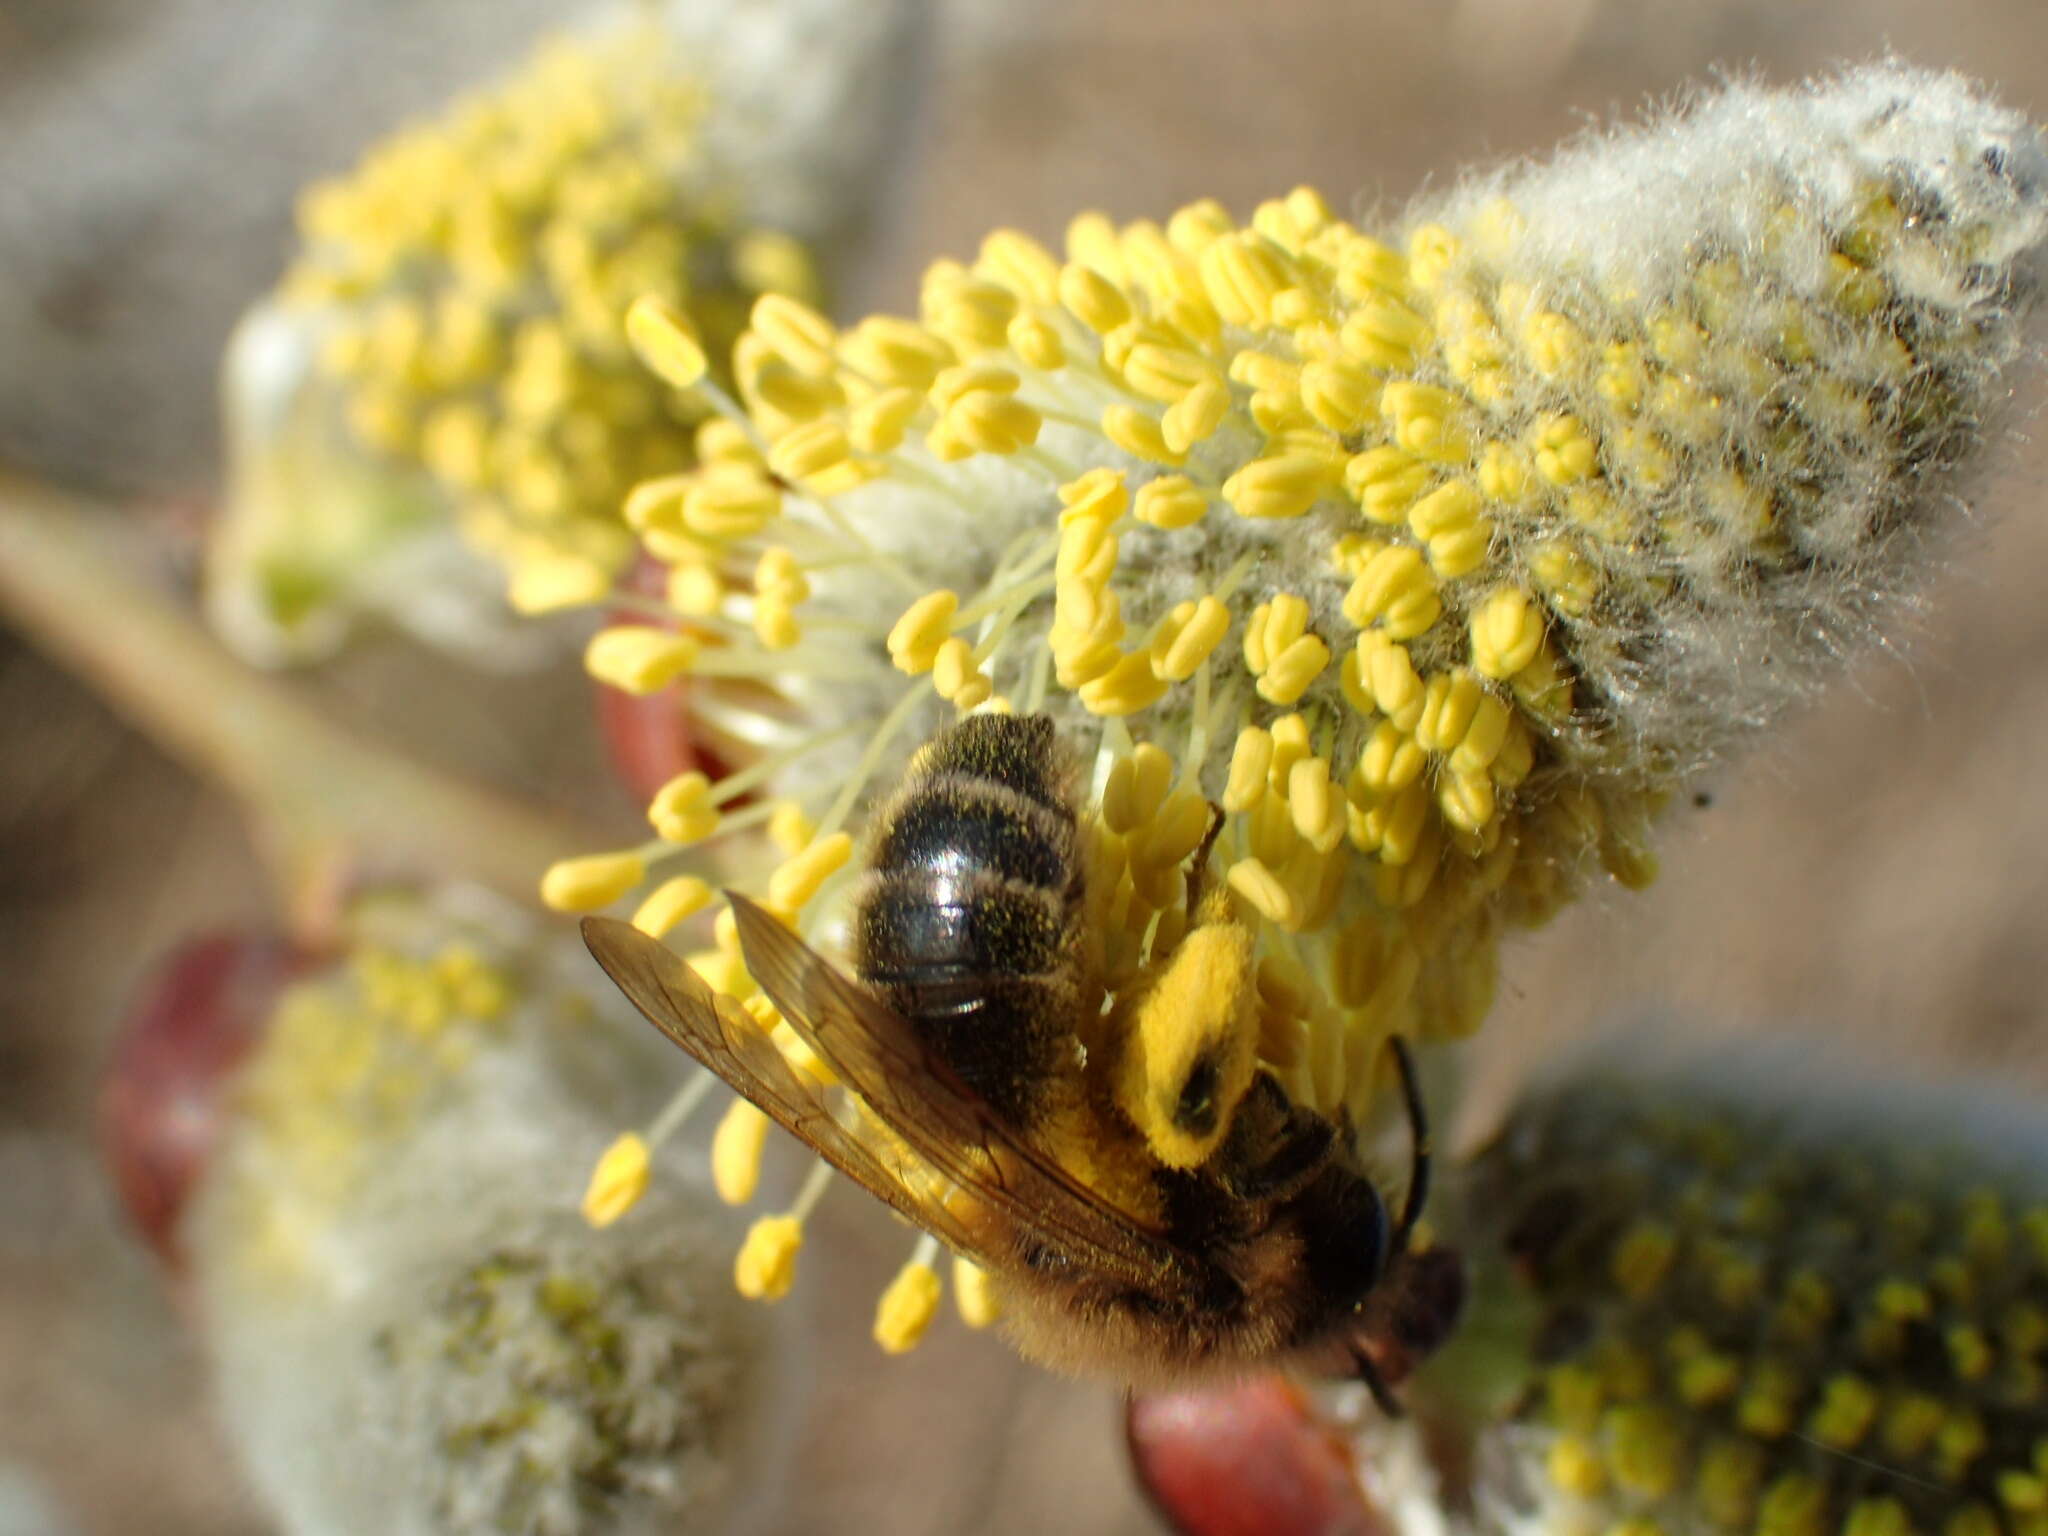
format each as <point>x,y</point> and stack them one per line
<point>1149,1204</point>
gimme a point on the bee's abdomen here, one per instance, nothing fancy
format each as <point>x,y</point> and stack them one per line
<point>965,922</point>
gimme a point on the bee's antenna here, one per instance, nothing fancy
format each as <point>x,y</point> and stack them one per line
<point>1418,1170</point>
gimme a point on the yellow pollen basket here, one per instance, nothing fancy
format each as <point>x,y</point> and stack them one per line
<point>1190,1042</point>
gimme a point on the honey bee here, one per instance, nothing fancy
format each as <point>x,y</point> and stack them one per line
<point>1150,1205</point>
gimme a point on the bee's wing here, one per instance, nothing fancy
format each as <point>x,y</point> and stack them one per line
<point>876,1052</point>
<point>676,1001</point>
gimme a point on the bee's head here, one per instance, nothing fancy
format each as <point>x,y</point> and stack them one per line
<point>1189,1044</point>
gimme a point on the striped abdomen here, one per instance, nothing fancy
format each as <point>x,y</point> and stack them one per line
<point>966,922</point>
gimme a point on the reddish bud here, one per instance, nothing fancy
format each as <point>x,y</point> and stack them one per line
<point>161,1104</point>
<point>1252,1459</point>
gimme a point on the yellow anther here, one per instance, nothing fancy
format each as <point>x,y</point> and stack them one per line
<point>777,574</point>
<point>970,379</point>
<point>1338,394</point>
<point>1273,627</point>
<point>1385,482</point>
<point>1290,746</point>
<point>1242,274</point>
<point>1093,299</point>
<point>1506,475</point>
<point>1847,1410</point>
<point>1037,343</point>
<point>681,810</point>
<point>798,333</point>
<point>1264,891</point>
<point>1391,761</point>
<point>1279,488</point>
<point>1264,373</point>
<point>618,1181</point>
<point>879,423</point>
<point>1396,592</point>
<point>1646,1448</point>
<point>1195,415</point>
<point>974,1294</point>
<point>1137,433</point>
<point>551,583</point>
<point>720,971</point>
<point>915,639</point>
<point>895,353</point>
<point>1643,457</point>
<point>1387,672</point>
<point>957,678</point>
<point>1288,675</point>
<point>1087,553</point>
<point>639,658</point>
<point>1250,761</point>
<point>1020,263</point>
<point>1565,453</point>
<point>974,315</point>
<point>810,452</point>
<point>1450,703</point>
<point>1193,638</point>
<point>1318,813</point>
<point>1366,269</point>
<point>671,902</point>
<point>992,423</point>
<point>1567,578</point>
<point>1100,496</point>
<point>1087,624</point>
<point>1303,312</point>
<point>789,828</point>
<point>1507,631</point>
<point>1166,373</point>
<point>723,441</point>
<point>658,503</point>
<point>1154,265</point>
<point>1555,345</point>
<point>766,1265</point>
<point>1486,733</point>
<point>1093,242</point>
<point>1124,689</point>
<point>1450,508</point>
<point>1432,252</point>
<point>1385,334</point>
<point>1427,421</point>
<point>1574,1466</point>
<point>1196,225</point>
<point>907,1307</point>
<point>732,503</point>
<point>1176,831</point>
<point>736,1148</point>
<point>666,341</point>
<point>592,881</point>
<point>694,588</point>
<point>775,624</point>
<point>797,880</point>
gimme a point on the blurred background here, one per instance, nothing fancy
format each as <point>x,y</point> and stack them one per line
<point>1874,879</point>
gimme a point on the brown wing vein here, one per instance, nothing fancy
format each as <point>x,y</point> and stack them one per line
<point>676,1001</point>
<point>875,1051</point>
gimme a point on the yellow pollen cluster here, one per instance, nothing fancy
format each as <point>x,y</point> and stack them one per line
<point>470,279</point>
<point>1760,1316</point>
<point>351,1059</point>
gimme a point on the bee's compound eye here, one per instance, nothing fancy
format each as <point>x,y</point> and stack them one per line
<point>1195,1110</point>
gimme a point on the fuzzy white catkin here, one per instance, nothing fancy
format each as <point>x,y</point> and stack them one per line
<point>435,1341</point>
<point>1858,449</point>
